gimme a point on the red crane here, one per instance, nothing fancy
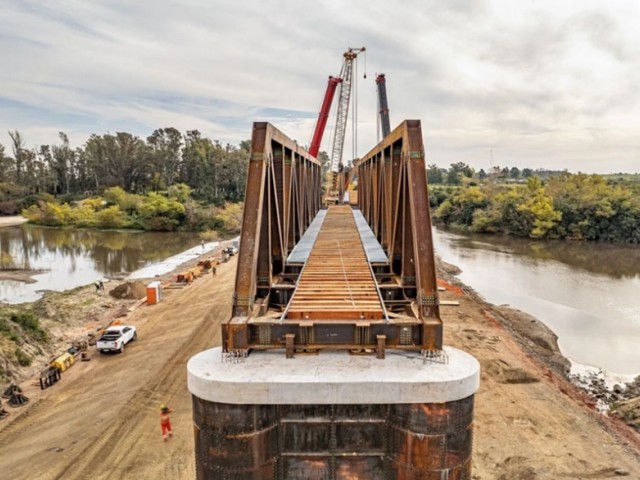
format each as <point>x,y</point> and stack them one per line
<point>336,186</point>
<point>323,115</point>
<point>344,80</point>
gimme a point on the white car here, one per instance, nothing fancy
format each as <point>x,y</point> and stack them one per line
<point>231,250</point>
<point>115,338</point>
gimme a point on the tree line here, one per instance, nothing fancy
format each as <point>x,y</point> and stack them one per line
<point>460,173</point>
<point>564,206</point>
<point>214,173</point>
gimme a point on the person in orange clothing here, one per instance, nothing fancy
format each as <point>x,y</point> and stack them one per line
<point>165,422</point>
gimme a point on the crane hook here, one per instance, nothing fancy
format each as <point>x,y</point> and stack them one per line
<point>365,62</point>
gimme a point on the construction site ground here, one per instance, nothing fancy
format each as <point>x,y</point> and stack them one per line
<point>101,421</point>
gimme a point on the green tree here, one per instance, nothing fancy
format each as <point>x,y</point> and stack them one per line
<point>544,215</point>
<point>62,164</point>
<point>166,156</point>
<point>179,192</point>
<point>19,153</point>
<point>6,166</point>
<point>435,175</point>
<point>454,177</point>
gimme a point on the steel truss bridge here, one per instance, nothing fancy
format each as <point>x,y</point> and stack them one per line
<point>355,276</point>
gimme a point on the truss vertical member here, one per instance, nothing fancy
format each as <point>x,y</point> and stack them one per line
<point>393,197</point>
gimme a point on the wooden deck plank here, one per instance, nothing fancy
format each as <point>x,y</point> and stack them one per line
<point>336,282</point>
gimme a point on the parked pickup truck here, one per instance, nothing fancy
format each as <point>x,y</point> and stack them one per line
<point>232,249</point>
<point>115,338</point>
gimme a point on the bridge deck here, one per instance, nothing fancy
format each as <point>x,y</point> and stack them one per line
<point>337,282</point>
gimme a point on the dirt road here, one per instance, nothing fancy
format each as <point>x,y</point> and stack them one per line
<point>102,420</point>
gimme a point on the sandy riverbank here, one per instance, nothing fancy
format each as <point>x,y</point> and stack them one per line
<point>13,220</point>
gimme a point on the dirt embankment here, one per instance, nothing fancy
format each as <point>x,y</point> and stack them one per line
<point>531,422</point>
<point>101,421</point>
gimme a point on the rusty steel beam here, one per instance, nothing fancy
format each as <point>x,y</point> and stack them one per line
<point>275,308</point>
<point>283,195</point>
<point>393,197</point>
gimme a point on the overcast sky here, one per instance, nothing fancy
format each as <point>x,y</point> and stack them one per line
<point>541,84</point>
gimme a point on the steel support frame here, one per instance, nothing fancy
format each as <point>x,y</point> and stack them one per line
<point>394,199</point>
<point>283,195</point>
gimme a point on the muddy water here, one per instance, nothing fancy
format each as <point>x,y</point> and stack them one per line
<point>588,294</point>
<point>70,258</point>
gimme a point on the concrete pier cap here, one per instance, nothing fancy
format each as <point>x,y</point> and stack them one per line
<point>332,377</point>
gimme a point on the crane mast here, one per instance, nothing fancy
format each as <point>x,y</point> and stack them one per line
<point>343,107</point>
<point>383,105</point>
<point>336,180</point>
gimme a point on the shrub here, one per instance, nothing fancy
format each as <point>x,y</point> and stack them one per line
<point>7,331</point>
<point>9,207</point>
<point>111,217</point>
<point>24,360</point>
<point>30,324</point>
<point>160,224</point>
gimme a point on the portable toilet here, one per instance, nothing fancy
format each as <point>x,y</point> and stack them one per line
<point>154,292</point>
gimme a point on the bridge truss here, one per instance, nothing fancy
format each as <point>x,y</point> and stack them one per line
<point>339,297</point>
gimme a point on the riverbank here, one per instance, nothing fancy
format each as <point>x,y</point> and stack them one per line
<point>70,315</point>
<point>616,394</point>
<point>19,274</point>
<point>530,422</point>
<point>12,221</point>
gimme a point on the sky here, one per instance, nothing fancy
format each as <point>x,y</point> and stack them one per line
<point>537,84</point>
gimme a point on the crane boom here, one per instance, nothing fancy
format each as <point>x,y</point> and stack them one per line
<point>384,106</point>
<point>323,115</point>
<point>343,107</point>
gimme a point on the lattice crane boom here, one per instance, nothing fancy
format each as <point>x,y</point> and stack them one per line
<point>343,107</point>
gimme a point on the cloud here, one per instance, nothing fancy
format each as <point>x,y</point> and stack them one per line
<point>542,82</point>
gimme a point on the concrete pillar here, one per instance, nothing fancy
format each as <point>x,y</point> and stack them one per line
<point>333,416</point>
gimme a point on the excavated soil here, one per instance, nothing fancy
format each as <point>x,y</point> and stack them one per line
<point>101,421</point>
<point>129,290</point>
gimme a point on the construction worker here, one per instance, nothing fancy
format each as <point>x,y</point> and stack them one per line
<point>165,422</point>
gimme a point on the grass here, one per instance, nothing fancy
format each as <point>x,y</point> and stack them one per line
<point>24,360</point>
<point>30,325</point>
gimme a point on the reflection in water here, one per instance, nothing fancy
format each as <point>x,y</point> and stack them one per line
<point>72,258</point>
<point>586,292</point>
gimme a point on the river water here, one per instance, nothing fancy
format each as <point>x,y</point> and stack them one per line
<point>587,293</point>
<point>70,258</point>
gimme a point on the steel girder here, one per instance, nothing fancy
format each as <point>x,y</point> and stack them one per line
<point>283,195</point>
<point>393,197</point>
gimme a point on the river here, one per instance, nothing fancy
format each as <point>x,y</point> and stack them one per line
<point>70,258</point>
<point>587,293</point>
